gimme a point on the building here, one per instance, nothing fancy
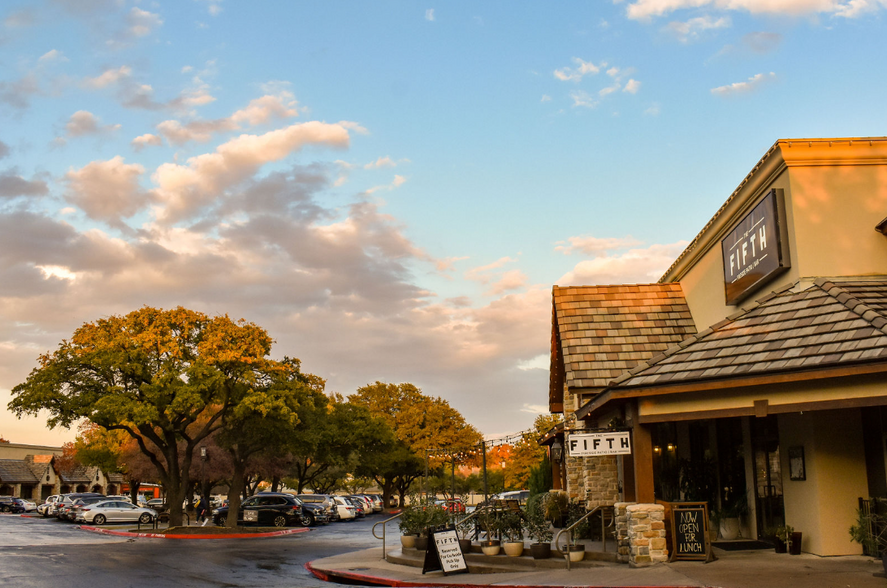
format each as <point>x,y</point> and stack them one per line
<point>753,375</point>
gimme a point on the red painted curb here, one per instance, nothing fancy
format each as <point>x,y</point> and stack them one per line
<point>214,536</point>
<point>332,576</point>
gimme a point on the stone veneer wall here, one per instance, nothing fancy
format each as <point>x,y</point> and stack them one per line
<point>640,534</point>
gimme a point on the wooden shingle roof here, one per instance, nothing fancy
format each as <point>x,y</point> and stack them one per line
<point>599,332</point>
<point>16,471</point>
<point>828,323</point>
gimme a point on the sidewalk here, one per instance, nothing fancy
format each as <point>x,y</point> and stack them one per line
<point>737,569</point>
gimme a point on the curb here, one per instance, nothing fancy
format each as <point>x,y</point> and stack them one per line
<point>213,536</point>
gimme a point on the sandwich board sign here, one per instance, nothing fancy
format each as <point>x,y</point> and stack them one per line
<point>443,553</point>
<point>689,531</point>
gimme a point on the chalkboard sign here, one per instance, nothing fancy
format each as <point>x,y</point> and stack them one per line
<point>443,553</point>
<point>689,531</point>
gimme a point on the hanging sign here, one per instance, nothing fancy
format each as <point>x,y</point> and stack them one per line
<point>753,251</point>
<point>609,443</point>
<point>689,531</point>
<point>443,553</point>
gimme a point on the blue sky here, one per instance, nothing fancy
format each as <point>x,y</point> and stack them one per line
<point>390,188</point>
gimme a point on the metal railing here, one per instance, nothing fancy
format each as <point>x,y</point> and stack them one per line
<point>384,533</point>
<point>604,510</point>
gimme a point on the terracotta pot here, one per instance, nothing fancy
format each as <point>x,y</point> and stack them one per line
<point>490,547</point>
<point>795,548</point>
<point>540,550</point>
<point>465,545</point>
<point>513,548</point>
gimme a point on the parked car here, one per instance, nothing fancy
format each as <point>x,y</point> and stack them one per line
<point>365,502</point>
<point>6,503</point>
<point>27,505</point>
<point>114,511</point>
<point>452,505</point>
<point>158,504</point>
<point>47,507</point>
<point>74,509</point>
<point>268,509</point>
<point>62,505</point>
<point>16,505</point>
<point>359,506</point>
<point>346,510</point>
<point>324,501</point>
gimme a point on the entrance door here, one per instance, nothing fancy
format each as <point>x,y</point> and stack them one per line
<point>768,475</point>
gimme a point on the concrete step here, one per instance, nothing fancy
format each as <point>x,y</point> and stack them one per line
<point>478,563</point>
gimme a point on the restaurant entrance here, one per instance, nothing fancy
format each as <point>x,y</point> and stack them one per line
<point>770,507</point>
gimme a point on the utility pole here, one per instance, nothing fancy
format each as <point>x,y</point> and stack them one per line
<point>486,491</point>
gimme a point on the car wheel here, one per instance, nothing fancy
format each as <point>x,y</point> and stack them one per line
<point>98,520</point>
<point>307,519</point>
<point>145,518</point>
<point>219,522</point>
<point>280,521</point>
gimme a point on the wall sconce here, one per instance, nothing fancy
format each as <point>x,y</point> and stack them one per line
<point>657,450</point>
<point>671,447</point>
<point>557,451</point>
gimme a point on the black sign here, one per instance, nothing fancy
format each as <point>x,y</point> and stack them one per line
<point>444,554</point>
<point>753,250</point>
<point>689,531</point>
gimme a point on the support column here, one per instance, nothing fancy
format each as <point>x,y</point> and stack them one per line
<point>642,447</point>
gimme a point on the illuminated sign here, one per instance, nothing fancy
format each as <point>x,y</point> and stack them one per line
<point>753,251</point>
<point>609,443</point>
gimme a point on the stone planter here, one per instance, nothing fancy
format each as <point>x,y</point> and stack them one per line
<point>490,547</point>
<point>540,550</point>
<point>465,545</point>
<point>576,553</point>
<point>408,541</point>
<point>513,548</point>
<point>729,529</point>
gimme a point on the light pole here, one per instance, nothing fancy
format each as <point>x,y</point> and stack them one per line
<point>203,472</point>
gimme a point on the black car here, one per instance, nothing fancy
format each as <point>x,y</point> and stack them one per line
<point>268,509</point>
<point>11,504</point>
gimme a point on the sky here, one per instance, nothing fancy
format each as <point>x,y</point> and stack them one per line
<point>391,189</point>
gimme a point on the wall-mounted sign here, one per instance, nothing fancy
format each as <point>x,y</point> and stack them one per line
<point>754,250</point>
<point>609,443</point>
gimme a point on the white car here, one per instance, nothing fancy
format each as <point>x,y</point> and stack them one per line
<point>113,511</point>
<point>28,505</point>
<point>346,511</point>
<point>46,509</point>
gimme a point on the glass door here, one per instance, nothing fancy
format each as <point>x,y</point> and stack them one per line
<point>768,476</point>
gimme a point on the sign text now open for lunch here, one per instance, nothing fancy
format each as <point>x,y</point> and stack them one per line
<point>609,443</point>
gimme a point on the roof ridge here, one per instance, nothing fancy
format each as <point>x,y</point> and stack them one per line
<point>853,304</point>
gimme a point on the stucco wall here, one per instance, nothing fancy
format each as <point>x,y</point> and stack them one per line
<point>823,507</point>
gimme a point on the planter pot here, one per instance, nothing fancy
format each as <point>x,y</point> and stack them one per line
<point>408,541</point>
<point>513,548</point>
<point>795,548</point>
<point>465,545</point>
<point>577,553</point>
<point>422,543</point>
<point>540,550</point>
<point>729,529</point>
<point>490,547</point>
<point>884,561</point>
<point>780,545</point>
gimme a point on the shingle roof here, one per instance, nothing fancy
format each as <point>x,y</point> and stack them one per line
<point>602,331</point>
<point>829,323</point>
<point>77,474</point>
<point>16,471</point>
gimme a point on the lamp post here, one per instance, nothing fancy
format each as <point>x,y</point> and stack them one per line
<point>203,472</point>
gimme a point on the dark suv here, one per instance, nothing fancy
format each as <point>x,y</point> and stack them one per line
<point>11,504</point>
<point>267,509</point>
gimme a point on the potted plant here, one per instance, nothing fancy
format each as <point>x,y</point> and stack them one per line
<point>491,525</point>
<point>538,528</point>
<point>430,517</point>
<point>731,514</point>
<point>791,538</point>
<point>556,506</point>
<point>575,513</point>
<point>464,528</point>
<point>410,526</point>
<point>870,531</point>
<point>778,542</point>
<point>512,527</point>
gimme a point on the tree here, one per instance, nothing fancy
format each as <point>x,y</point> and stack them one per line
<point>420,423</point>
<point>166,378</point>
<point>527,454</point>
<point>2,440</point>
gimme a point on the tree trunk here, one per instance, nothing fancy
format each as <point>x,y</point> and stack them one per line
<point>134,486</point>
<point>234,491</point>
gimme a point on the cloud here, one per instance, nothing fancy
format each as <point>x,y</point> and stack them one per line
<point>84,123</point>
<point>21,18</point>
<point>752,84</point>
<point>264,109</point>
<point>54,55</point>
<point>690,30</point>
<point>429,14</point>
<point>18,93</point>
<point>762,42</point>
<point>595,246</point>
<point>634,266</point>
<point>184,189</point>
<point>508,281</point>
<point>582,69</point>
<point>381,162</point>
<point>145,140</point>
<point>4,150</point>
<point>108,77</point>
<point>107,190</point>
<point>545,98</point>
<point>141,22</point>
<point>632,86</point>
<point>582,98</point>
<point>646,9</point>
<point>213,7</point>
<point>13,185</point>
<point>653,110</point>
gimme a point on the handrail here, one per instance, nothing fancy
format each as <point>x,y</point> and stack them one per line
<point>476,512</point>
<point>384,533</point>
<point>602,509</point>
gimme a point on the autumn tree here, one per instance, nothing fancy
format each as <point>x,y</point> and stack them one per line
<point>165,378</point>
<point>527,454</point>
<point>2,440</point>
<point>420,424</point>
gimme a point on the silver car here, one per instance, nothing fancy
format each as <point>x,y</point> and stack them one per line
<point>114,511</point>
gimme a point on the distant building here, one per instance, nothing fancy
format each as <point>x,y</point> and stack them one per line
<point>753,375</point>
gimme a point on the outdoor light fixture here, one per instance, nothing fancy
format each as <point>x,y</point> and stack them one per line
<point>657,449</point>
<point>557,451</point>
<point>671,447</point>
<point>203,452</point>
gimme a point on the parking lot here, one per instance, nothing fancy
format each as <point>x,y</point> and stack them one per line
<point>45,552</point>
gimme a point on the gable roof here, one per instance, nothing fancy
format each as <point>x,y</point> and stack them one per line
<point>828,323</point>
<point>599,332</point>
<point>16,471</point>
